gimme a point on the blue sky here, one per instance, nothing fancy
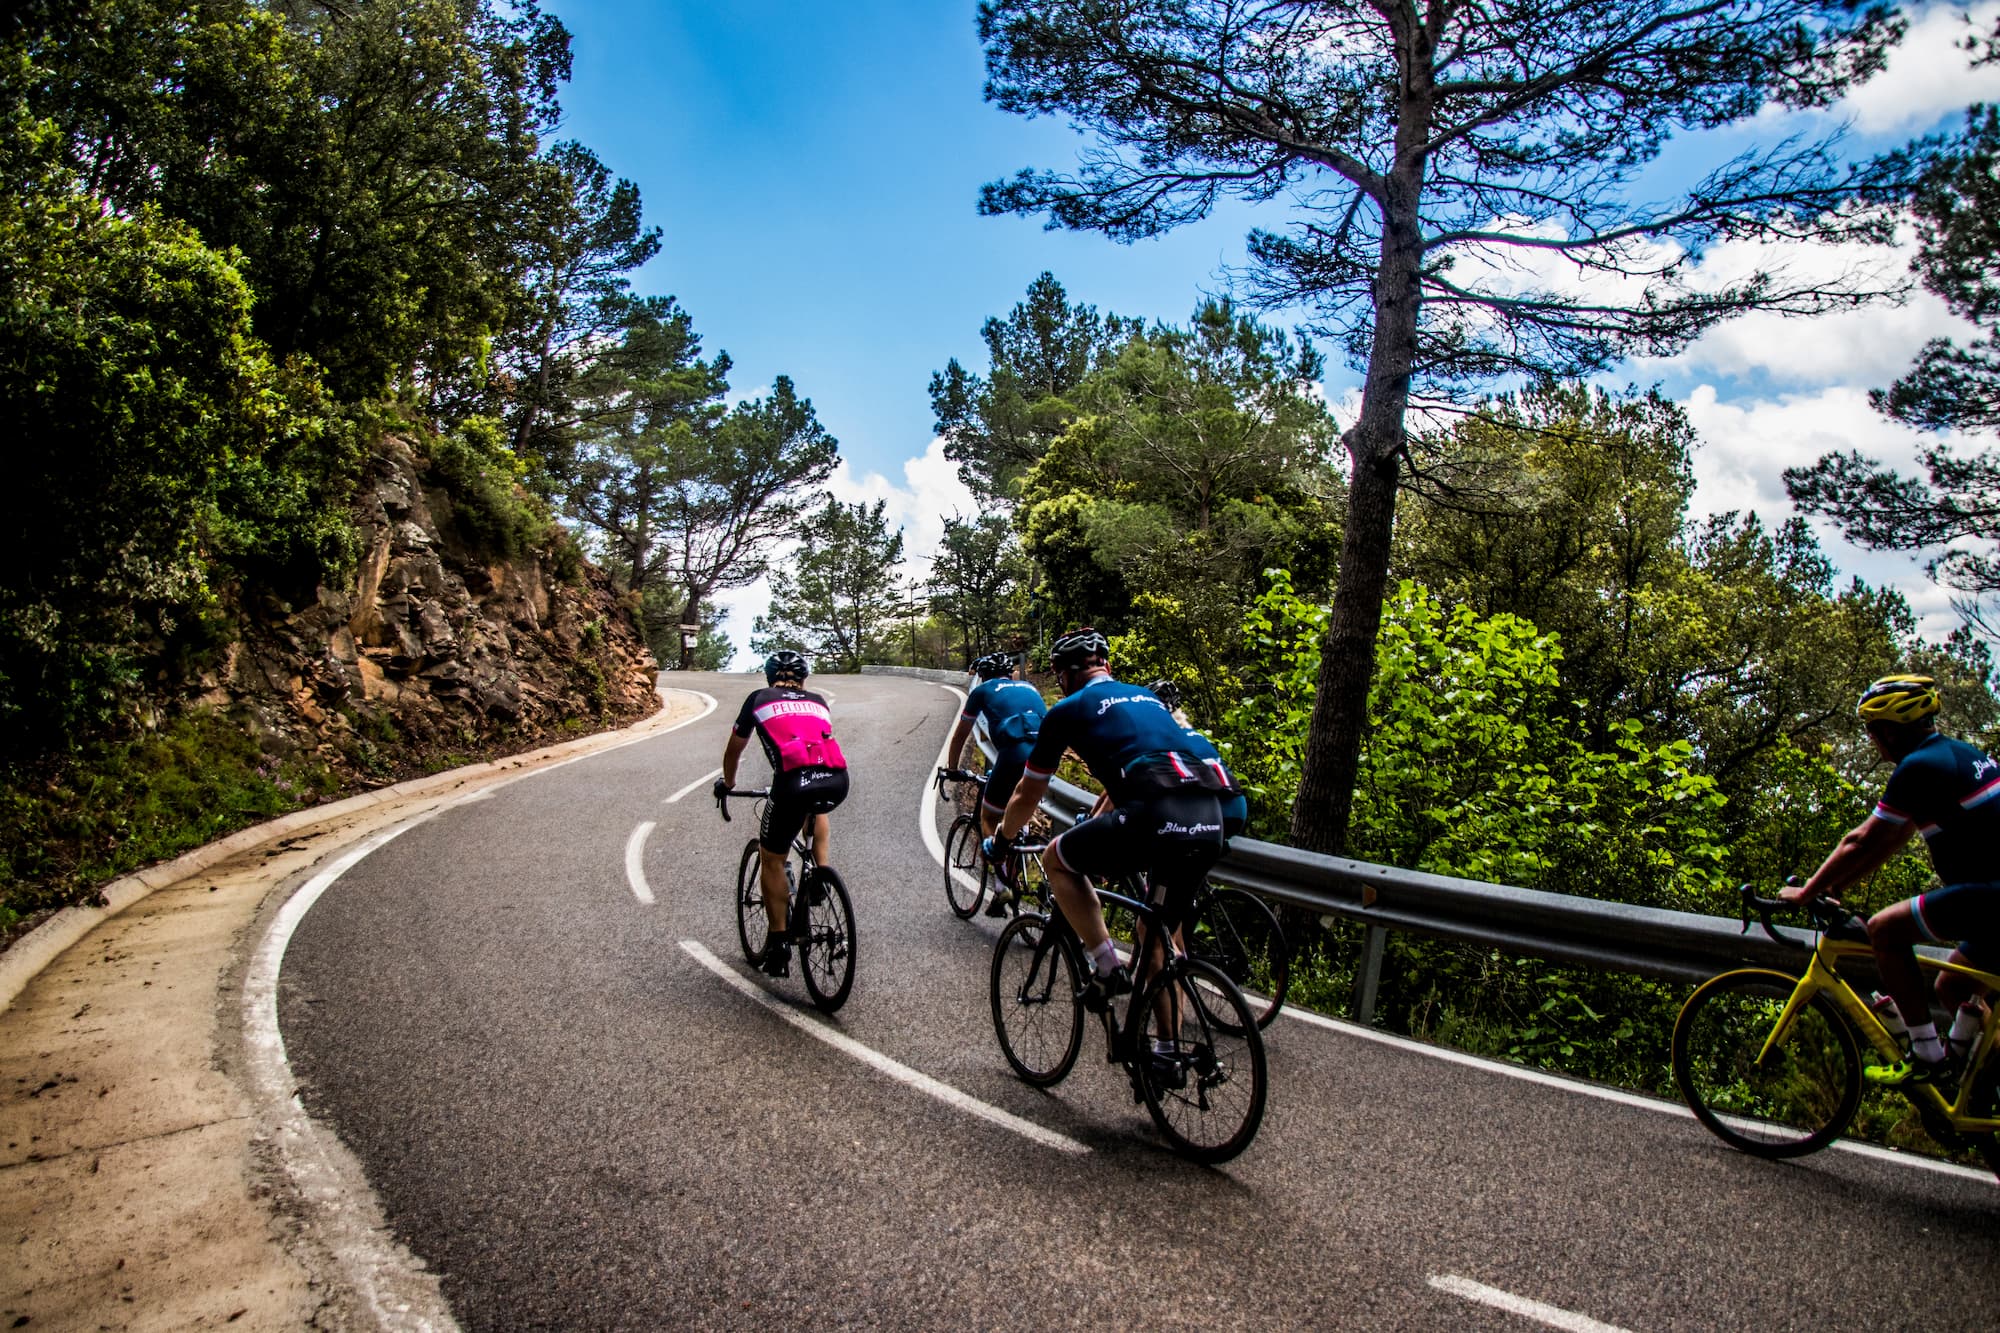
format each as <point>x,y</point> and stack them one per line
<point>815,170</point>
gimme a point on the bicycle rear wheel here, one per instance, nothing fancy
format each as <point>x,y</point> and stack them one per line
<point>753,926</point>
<point>1795,1100</point>
<point>965,870</point>
<point>1037,1012</point>
<point>1203,1080</point>
<point>826,945</point>
<point>1238,935</point>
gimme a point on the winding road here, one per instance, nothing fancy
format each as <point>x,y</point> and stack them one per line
<point>528,1018</point>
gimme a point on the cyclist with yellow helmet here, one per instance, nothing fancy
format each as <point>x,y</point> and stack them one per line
<point>1949,792</point>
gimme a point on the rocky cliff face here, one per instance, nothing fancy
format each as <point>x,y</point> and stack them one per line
<point>434,655</point>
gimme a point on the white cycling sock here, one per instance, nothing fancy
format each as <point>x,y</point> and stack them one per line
<point>1924,1042</point>
<point>1104,959</point>
<point>1965,1025</point>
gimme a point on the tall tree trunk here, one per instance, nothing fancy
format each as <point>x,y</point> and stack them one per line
<point>1347,662</point>
<point>1332,761</point>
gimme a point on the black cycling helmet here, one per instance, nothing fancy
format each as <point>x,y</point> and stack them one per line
<point>1900,699</point>
<point>1078,648</point>
<point>1167,693</point>
<point>785,665</point>
<point>994,665</point>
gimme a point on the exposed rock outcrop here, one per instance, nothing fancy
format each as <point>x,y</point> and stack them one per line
<point>434,655</point>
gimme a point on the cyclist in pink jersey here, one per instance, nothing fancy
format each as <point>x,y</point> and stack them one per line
<point>808,778</point>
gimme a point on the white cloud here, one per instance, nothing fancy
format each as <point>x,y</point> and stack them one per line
<point>1748,443</point>
<point>1926,77</point>
<point>931,493</point>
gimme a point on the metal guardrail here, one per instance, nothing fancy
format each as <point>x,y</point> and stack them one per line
<point>1590,932</point>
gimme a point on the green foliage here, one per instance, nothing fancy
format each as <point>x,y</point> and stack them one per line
<point>490,511</point>
<point>123,805</point>
<point>997,427</point>
<point>1474,764</point>
<point>684,493</point>
<point>839,594</point>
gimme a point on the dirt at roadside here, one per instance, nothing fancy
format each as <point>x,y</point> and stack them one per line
<point>137,1181</point>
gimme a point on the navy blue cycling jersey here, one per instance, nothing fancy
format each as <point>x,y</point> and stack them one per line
<point>1948,789</point>
<point>1013,710</point>
<point>1127,739</point>
<point>1235,805</point>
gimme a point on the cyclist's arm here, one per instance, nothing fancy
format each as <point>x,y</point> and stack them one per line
<point>1860,854</point>
<point>1103,804</point>
<point>958,737</point>
<point>730,754</point>
<point>1021,807</point>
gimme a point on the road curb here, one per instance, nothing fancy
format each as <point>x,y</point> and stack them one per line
<point>41,946</point>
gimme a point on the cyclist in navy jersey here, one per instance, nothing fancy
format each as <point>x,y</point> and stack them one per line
<point>1013,710</point>
<point>1950,793</point>
<point>1167,816</point>
<point>808,779</point>
<point>1235,805</point>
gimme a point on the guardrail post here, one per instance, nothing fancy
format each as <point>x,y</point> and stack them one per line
<point>1368,975</point>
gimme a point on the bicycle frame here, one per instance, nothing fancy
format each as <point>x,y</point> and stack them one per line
<point>1822,977</point>
<point>1120,1043</point>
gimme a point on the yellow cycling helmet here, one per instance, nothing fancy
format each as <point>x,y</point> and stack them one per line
<point>1899,699</point>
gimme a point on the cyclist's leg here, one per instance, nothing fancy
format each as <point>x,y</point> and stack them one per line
<point>1893,933</point>
<point>1099,846</point>
<point>784,815</point>
<point>1967,917</point>
<point>824,789</point>
<point>1001,780</point>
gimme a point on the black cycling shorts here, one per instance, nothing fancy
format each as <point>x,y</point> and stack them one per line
<point>1966,916</point>
<point>795,797</point>
<point>1174,838</point>
<point>1005,775</point>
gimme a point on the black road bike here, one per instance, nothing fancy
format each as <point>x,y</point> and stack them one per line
<point>1188,1040</point>
<point>820,917</point>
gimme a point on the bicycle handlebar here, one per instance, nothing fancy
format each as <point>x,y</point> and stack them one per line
<point>945,775</point>
<point>722,799</point>
<point>1826,914</point>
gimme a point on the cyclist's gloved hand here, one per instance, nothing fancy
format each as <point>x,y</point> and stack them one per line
<point>721,789</point>
<point>996,848</point>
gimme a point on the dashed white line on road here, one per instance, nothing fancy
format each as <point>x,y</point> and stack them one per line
<point>706,777</point>
<point>895,1069</point>
<point>1553,1316</point>
<point>635,856</point>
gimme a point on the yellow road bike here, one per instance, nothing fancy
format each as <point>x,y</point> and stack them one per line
<point>1771,1062</point>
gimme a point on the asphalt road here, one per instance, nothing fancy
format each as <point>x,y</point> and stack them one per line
<point>581,1126</point>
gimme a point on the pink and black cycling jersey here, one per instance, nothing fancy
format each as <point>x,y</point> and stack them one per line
<point>1951,792</point>
<point>795,727</point>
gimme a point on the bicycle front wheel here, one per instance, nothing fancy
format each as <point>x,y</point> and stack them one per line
<point>826,946</point>
<point>753,926</point>
<point>1202,1077</point>
<point>1037,1011</point>
<point>1793,1100</point>
<point>965,870</point>
<point>1238,935</point>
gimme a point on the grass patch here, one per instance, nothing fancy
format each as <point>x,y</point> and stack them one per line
<point>73,825</point>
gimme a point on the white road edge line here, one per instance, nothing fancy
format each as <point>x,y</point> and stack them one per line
<point>393,1284</point>
<point>1642,1102</point>
<point>706,777</point>
<point>927,824</point>
<point>926,821</point>
<point>895,1069</point>
<point>1553,1316</point>
<point>635,855</point>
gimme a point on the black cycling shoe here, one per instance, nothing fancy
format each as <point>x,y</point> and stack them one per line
<point>1002,900</point>
<point>777,960</point>
<point>1098,992</point>
<point>1167,1072</point>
